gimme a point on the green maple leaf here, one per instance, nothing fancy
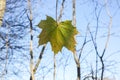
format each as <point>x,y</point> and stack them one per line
<point>58,34</point>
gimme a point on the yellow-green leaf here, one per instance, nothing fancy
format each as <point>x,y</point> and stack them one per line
<point>59,35</point>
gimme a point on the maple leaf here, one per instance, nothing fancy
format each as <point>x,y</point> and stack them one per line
<point>59,35</point>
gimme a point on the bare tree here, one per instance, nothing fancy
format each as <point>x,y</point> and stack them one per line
<point>75,54</point>
<point>2,10</point>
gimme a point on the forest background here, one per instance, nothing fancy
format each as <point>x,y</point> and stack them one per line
<point>97,51</point>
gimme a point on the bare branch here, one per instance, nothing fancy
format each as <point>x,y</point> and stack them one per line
<point>31,42</point>
<point>61,10</point>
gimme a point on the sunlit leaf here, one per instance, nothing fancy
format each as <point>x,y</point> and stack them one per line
<point>59,35</point>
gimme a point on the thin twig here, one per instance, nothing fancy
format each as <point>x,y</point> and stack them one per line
<point>61,10</point>
<point>84,43</point>
<point>56,9</point>
<point>54,74</point>
<point>97,54</point>
<point>107,41</point>
<point>39,59</point>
